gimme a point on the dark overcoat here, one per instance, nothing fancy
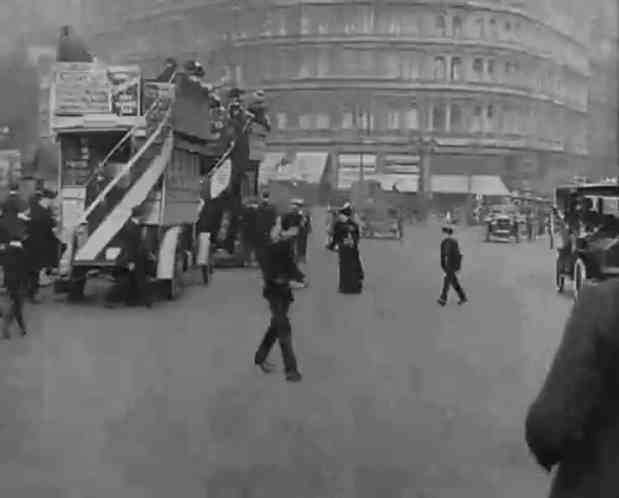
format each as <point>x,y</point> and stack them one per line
<point>574,422</point>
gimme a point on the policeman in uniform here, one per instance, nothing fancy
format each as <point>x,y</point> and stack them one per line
<point>14,262</point>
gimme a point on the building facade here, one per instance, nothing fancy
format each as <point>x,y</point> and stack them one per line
<point>602,127</point>
<point>500,90</point>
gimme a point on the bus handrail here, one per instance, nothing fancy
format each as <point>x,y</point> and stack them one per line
<point>125,137</point>
<point>127,167</point>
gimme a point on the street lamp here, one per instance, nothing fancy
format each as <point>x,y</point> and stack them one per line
<point>424,146</point>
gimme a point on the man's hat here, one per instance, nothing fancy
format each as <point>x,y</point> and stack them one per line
<point>235,93</point>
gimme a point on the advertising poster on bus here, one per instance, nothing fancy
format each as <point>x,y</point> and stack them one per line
<point>125,88</point>
<point>81,88</point>
<point>10,167</point>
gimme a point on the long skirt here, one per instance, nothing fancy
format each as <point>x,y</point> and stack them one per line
<point>351,271</point>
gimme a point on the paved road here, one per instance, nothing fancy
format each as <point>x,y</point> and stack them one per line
<point>400,398</point>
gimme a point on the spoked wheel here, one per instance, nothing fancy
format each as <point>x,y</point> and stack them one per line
<point>580,276</point>
<point>559,278</point>
<point>176,282</point>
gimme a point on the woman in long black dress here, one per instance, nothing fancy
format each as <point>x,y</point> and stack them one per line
<point>346,242</point>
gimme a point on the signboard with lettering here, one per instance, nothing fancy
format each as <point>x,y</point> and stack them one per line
<point>401,163</point>
<point>10,167</point>
<point>81,88</point>
<point>125,88</point>
<point>347,176</point>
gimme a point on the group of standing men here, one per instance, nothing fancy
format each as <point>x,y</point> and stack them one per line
<point>27,245</point>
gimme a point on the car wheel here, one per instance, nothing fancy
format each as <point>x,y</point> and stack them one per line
<point>559,278</point>
<point>580,277</point>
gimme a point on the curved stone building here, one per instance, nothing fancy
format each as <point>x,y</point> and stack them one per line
<point>497,90</point>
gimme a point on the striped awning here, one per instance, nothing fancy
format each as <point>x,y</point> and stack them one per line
<point>450,184</point>
<point>269,166</point>
<point>491,185</point>
<point>305,167</point>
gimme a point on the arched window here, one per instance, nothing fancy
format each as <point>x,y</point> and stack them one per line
<point>439,68</point>
<point>393,119</point>
<point>456,123</point>
<point>281,120</point>
<point>348,120</point>
<point>456,69</point>
<point>478,27</point>
<point>323,121</point>
<point>478,68</point>
<point>490,118</point>
<point>412,118</point>
<point>439,116</point>
<point>494,32</point>
<point>490,69</point>
<point>456,24</point>
<point>441,25</point>
<point>476,119</point>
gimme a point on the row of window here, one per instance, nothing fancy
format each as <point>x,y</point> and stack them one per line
<point>263,67</point>
<point>450,117</point>
<point>405,21</point>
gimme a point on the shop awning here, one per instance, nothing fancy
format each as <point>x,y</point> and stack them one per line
<point>349,169</point>
<point>450,184</point>
<point>269,166</point>
<point>306,167</point>
<point>488,185</point>
<point>404,183</point>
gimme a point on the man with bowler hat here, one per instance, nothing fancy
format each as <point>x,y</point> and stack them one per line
<point>451,262</point>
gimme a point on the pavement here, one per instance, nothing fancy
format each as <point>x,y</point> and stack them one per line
<point>400,398</point>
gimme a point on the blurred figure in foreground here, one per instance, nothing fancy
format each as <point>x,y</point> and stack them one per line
<point>574,422</point>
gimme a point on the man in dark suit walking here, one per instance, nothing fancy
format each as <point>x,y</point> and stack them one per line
<point>279,270</point>
<point>451,261</point>
<point>135,257</point>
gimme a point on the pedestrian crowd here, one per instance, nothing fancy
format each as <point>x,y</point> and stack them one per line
<point>28,245</point>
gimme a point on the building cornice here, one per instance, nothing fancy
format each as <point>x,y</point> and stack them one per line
<point>441,4</point>
<point>384,142</point>
<point>401,42</point>
<point>371,84</point>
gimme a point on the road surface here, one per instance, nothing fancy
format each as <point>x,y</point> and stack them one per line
<point>400,398</point>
